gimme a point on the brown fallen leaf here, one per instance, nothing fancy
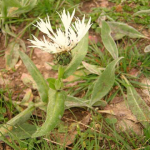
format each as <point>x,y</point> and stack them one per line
<point>126,120</point>
<point>134,72</point>
<point>119,8</point>
<point>28,81</point>
<point>103,3</point>
<point>85,121</point>
<point>128,125</point>
<point>28,97</point>
<point>18,64</point>
<point>120,110</point>
<point>145,90</point>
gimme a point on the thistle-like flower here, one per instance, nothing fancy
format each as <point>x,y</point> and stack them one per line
<point>61,41</point>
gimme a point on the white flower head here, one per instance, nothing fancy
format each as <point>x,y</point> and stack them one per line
<point>60,41</point>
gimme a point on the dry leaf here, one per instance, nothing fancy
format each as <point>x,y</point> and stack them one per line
<point>121,111</point>
<point>18,64</point>
<point>119,8</point>
<point>134,72</point>
<point>28,81</point>
<point>145,91</point>
<point>126,120</point>
<point>28,97</point>
<point>103,3</point>
<point>128,125</point>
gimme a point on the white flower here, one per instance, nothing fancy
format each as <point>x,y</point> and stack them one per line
<point>61,41</point>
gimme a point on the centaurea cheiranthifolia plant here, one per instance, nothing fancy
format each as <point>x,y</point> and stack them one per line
<point>69,40</point>
<point>62,41</point>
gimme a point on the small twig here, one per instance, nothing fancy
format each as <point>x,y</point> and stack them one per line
<point>57,143</point>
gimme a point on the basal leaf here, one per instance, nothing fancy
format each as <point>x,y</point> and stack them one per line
<point>12,55</point>
<point>18,119</point>
<point>147,49</point>
<point>37,76</point>
<point>12,3</point>
<point>23,131</point>
<point>108,41</point>
<point>55,110</point>
<point>92,68</point>
<point>72,101</point>
<point>119,30</point>
<point>142,12</point>
<point>25,8</point>
<point>78,53</point>
<point>138,106</point>
<point>104,82</point>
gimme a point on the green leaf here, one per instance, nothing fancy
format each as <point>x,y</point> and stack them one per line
<point>138,106</point>
<point>23,131</point>
<point>104,82</point>
<point>92,68</point>
<point>72,101</point>
<point>119,30</point>
<point>51,82</point>
<point>100,103</point>
<point>12,55</point>
<point>78,53</point>
<point>108,41</point>
<point>18,119</point>
<point>111,121</point>
<point>58,84</point>
<point>12,3</point>
<point>37,76</point>
<point>142,12</point>
<point>26,7</point>
<point>147,49</point>
<point>55,110</point>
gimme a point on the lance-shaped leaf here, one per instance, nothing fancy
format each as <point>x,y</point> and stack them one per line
<point>138,106</point>
<point>142,12</point>
<point>12,55</point>
<point>147,49</point>
<point>92,68</point>
<point>55,110</point>
<point>26,7</point>
<point>21,131</point>
<point>108,41</point>
<point>37,76</point>
<point>72,101</point>
<point>119,30</point>
<point>20,118</point>
<point>104,82</point>
<point>78,53</point>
